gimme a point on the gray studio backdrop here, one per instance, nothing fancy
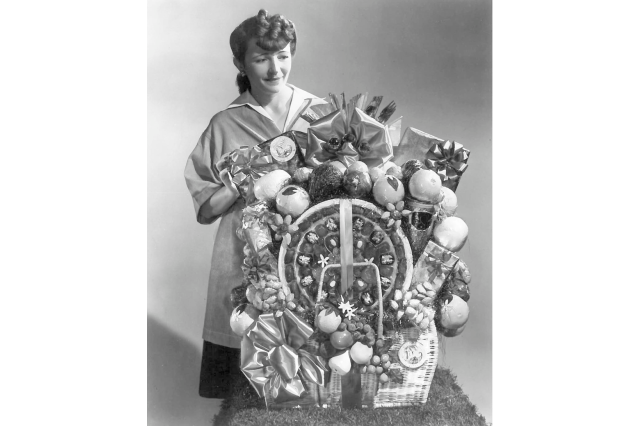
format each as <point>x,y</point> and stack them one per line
<point>432,57</point>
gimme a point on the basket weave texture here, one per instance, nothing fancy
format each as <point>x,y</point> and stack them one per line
<point>413,390</point>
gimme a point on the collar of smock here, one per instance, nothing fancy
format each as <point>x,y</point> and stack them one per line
<point>297,102</point>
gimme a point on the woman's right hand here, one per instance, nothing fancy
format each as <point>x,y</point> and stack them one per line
<point>225,177</point>
<point>222,200</point>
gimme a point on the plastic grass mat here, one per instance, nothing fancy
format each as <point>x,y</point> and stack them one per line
<point>447,405</point>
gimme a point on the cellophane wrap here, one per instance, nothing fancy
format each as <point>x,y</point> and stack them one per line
<point>248,164</point>
<point>434,265</point>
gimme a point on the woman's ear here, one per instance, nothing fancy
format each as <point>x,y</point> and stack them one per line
<point>238,65</point>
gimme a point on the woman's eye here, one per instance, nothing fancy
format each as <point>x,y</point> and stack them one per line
<point>282,58</point>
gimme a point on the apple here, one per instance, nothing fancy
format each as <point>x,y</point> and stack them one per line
<point>341,364</point>
<point>357,184</point>
<point>292,200</point>
<point>453,332</point>
<point>338,165</point>
<point>358,166</point>
<point>454,312</point>
<point>451,233</point>
<point>266,188</point>
<point>341,339</point>
<point>328,320</point>
<point>376,173</point>
<point>240,321</point>
<point>302,174</point>
<point>394,171</point>
<point>360,353</point>
<point>425,185</point>
<point>388,189</point>
<point>449,201</point>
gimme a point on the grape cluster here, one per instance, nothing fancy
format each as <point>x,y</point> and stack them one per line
<point>378,365</point>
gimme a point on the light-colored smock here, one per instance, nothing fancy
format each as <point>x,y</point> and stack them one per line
<point>244,122</point>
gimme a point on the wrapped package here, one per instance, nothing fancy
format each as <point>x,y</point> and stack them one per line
<point>248,164</point>
<point>434,265</point>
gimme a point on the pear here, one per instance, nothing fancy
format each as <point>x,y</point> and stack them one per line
<point>341,364</point>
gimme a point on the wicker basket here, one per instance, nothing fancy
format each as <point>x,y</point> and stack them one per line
<point>413,354</point>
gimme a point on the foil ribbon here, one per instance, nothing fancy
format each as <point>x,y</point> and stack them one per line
<point>372,145</point>
<point>273,361</point>
<point>435,264</point>
<point>449,160</point>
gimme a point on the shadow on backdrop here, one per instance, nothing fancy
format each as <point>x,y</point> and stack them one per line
<point>173,368</point>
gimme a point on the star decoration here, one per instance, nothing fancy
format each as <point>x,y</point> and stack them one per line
<point>369,260</point>
<point>245,225</point>
<point>323,261</point>
<point>347,309</point>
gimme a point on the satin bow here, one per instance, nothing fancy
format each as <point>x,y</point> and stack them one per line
<point>449,160</point>
<point>273,361</point>
<point>372,144</point>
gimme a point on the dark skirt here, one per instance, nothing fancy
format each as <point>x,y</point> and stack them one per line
<point>219,371</point>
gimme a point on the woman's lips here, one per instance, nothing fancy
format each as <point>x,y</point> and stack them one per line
<point>272,80</point>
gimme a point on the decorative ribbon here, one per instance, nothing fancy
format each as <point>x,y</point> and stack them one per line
<point>371,140</point>
<point>273,361</point>
<point>449,160</point>
<point>346,245</point>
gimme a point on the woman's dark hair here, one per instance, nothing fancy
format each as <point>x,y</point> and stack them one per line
<point>273,33</point>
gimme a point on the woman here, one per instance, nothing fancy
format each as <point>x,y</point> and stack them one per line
<point>263,47</point>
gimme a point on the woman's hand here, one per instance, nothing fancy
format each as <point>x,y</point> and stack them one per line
<point>225,177</point>
<point>221,200</point>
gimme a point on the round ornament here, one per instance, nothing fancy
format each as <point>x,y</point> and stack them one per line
<point>388,189</point>
<point>451,233</point>
<point>282,149</point>
<point>292,200</point>
<point>240,321</point>
<point>425,185</point>
<point>412,354</point>
<point>266,188</point>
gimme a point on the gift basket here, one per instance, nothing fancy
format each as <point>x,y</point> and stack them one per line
<point>350,271</point>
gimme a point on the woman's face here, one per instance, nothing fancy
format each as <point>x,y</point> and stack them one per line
<point>268,71</point>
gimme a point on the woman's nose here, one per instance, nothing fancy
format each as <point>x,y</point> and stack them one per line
<point>273,66</point>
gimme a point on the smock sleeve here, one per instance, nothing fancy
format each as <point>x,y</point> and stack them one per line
<point>201,173</point>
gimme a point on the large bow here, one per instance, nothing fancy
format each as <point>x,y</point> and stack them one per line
<point>273,361</point>
<point>449,160</point>
<point>348,135</point>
